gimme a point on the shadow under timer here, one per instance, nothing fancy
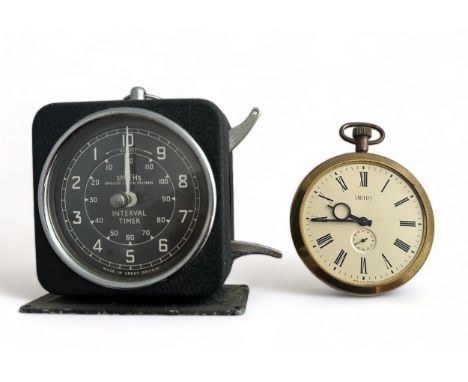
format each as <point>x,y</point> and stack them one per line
<point>134,203</point>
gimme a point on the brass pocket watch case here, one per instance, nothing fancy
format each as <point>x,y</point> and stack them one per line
<point>361,222</point>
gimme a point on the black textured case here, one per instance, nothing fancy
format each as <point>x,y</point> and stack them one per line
<point>204,273</point>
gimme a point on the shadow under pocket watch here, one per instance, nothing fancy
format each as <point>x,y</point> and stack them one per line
<point>135,197</point>
<point>361,222</point>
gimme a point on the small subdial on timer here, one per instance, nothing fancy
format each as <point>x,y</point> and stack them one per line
<point>118,214</point>
<point>363,240</point>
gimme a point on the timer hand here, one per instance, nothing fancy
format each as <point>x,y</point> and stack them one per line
<point>127,164</point>
<point>361,220</point>
<point>127,198</point>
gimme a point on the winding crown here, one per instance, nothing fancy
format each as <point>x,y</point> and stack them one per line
<point>360,131</point>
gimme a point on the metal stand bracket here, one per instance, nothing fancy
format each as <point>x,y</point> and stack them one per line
<point>230,300</point>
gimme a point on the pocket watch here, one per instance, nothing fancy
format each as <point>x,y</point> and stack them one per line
<point>362,223</point>
<point>135,197</point>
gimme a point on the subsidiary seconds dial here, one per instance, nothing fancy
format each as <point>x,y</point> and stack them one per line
<point>128,198</point>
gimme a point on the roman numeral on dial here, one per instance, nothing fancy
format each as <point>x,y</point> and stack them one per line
<point>385,185</point>
<point>363,266</point>
<point>402,245</point>
<point>341,258</point>
<point>342,183</point>
<point>400,202</point>
<point>364,176</point>
<point>387,263</point>
<point>407,223</point>
<point>326,198</point>
<point>324,240</point>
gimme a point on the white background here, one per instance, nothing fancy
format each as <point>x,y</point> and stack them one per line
<point>406,69</point>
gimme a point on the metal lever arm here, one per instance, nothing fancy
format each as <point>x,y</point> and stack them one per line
<point>242,248</point>
<point>238,133</point>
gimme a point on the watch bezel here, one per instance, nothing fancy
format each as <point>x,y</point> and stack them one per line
<point>49,227</point>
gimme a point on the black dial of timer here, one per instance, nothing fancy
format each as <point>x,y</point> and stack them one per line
<point>134,197</point>
<point>129,195</point>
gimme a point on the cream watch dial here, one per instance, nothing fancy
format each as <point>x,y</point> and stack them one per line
<point>363,224</point>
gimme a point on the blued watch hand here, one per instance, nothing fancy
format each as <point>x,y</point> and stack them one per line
<point>348,215</point>
<point>324,219</point>
<point>361,241</point>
